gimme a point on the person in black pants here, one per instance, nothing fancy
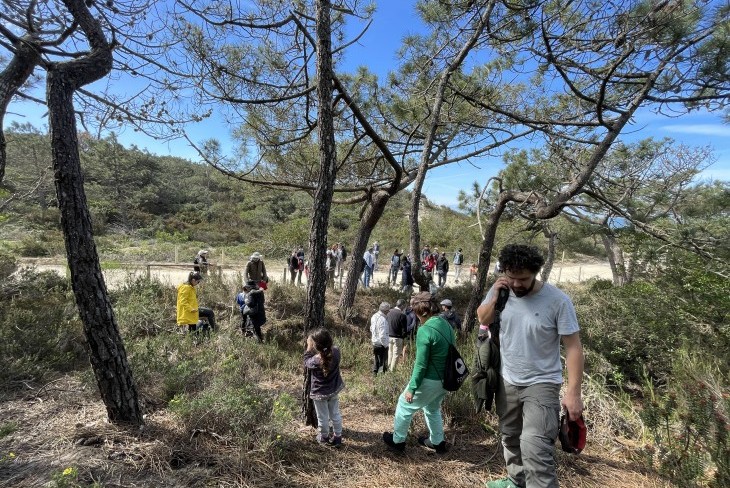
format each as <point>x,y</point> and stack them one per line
<point>379,338</point>
<point>251,303</point>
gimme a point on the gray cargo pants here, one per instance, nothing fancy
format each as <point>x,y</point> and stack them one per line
<point>529,422</point>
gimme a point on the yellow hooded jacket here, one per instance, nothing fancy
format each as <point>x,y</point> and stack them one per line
<point>187,305</point>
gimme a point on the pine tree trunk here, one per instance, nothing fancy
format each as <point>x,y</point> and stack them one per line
<point>314,310</point>
<point>615,259</point>
<point>370,216</point>
<point>547,268</point>
<point>106,348</point>
<point>485,254</point>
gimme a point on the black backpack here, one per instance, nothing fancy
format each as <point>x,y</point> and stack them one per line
<point>455,370</point>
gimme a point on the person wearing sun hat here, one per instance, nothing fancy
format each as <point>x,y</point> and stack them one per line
<point>200,263</point>
<point>256,269</point>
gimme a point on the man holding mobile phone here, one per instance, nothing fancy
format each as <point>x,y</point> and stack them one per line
<point>536,318</point>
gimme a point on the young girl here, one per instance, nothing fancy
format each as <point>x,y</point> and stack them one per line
<point>323,361</point>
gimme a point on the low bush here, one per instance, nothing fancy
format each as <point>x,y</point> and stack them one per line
<point>689,419</point>
<point>40,331</point>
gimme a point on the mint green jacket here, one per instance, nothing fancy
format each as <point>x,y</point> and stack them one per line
<point>431,351</point>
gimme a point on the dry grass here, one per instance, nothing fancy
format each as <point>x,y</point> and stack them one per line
<point>65,426</point>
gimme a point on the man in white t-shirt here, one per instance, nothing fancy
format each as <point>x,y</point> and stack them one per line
<point>537,317</point>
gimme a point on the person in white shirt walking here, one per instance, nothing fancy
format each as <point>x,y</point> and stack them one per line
<point>379,338</point>
<point>458,262</point>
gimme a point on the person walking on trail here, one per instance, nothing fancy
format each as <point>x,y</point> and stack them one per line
<point>458,263</point>
<point>397,324</point>
<point>406,280</point>
<point>300,270</point>
<point>536,318</point>
<point>341,256</point>
<point>368,267</point>
<point>376,254</point>
<point>442,269</point>
<point>450,316</point>
<point>253,313</point>
<point>395,265</point>
<point>425,252</point>
<point>322,359</point>
<point>200,263</point>
<point>294,266</point>
<point>256,269</point>
<point>425,390</point>
<point>379,338</point>
<point>329,267</point>
<point>187,302</point>
<point>429,263</point>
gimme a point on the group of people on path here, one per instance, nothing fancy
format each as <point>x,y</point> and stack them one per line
<point>536,318</point>
<point>250,300</point>
<point>432,264</point>
<point>335,258</point>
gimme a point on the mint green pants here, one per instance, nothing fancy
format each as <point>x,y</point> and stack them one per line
<point>428,398</point>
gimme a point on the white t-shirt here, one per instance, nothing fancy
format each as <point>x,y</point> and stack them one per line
<point>530,335</point>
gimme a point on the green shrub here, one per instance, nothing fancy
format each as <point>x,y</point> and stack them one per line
<point>32,248</point>
<point>144,307</point>
<point>40,331</point>
<point>689,419</point>
<point>8,264</point>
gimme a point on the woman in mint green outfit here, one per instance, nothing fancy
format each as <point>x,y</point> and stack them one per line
<point>425,391</point>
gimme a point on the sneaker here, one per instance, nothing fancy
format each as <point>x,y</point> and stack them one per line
<point>323,440</point>
<point>440,448</point>
<point>396,446</point>
<point>503,483</point>
<point>335,441</point>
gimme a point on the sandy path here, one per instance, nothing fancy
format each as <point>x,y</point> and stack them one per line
<point>172,274</point>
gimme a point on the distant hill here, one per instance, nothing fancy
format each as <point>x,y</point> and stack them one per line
<point>136,197</point>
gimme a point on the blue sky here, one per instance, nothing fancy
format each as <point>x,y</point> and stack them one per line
<point>377,49</point>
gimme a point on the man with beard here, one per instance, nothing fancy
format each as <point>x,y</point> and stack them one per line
<point>536,318</point>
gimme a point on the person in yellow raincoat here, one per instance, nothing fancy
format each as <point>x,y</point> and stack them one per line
<point>187,302</point>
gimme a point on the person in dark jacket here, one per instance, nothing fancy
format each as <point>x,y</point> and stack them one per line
<point>251,303</point>
<point>395,265</point>
<point>406,277</point>
<point>200,263</point>
<point>397,330</point>
<point>322,359</point>
<point>442,268</point>
<point>256,269</point>
<point>450,316</point>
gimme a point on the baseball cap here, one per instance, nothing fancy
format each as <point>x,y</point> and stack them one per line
<point>446,302</point>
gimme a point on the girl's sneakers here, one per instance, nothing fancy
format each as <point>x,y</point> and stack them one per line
<point>335,440</point>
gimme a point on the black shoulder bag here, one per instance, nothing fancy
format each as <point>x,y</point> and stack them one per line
<point>455,370</point>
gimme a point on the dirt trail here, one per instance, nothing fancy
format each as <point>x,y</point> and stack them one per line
<point>172,273</point>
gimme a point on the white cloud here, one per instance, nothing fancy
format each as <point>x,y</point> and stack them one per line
<point>699,129</point>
